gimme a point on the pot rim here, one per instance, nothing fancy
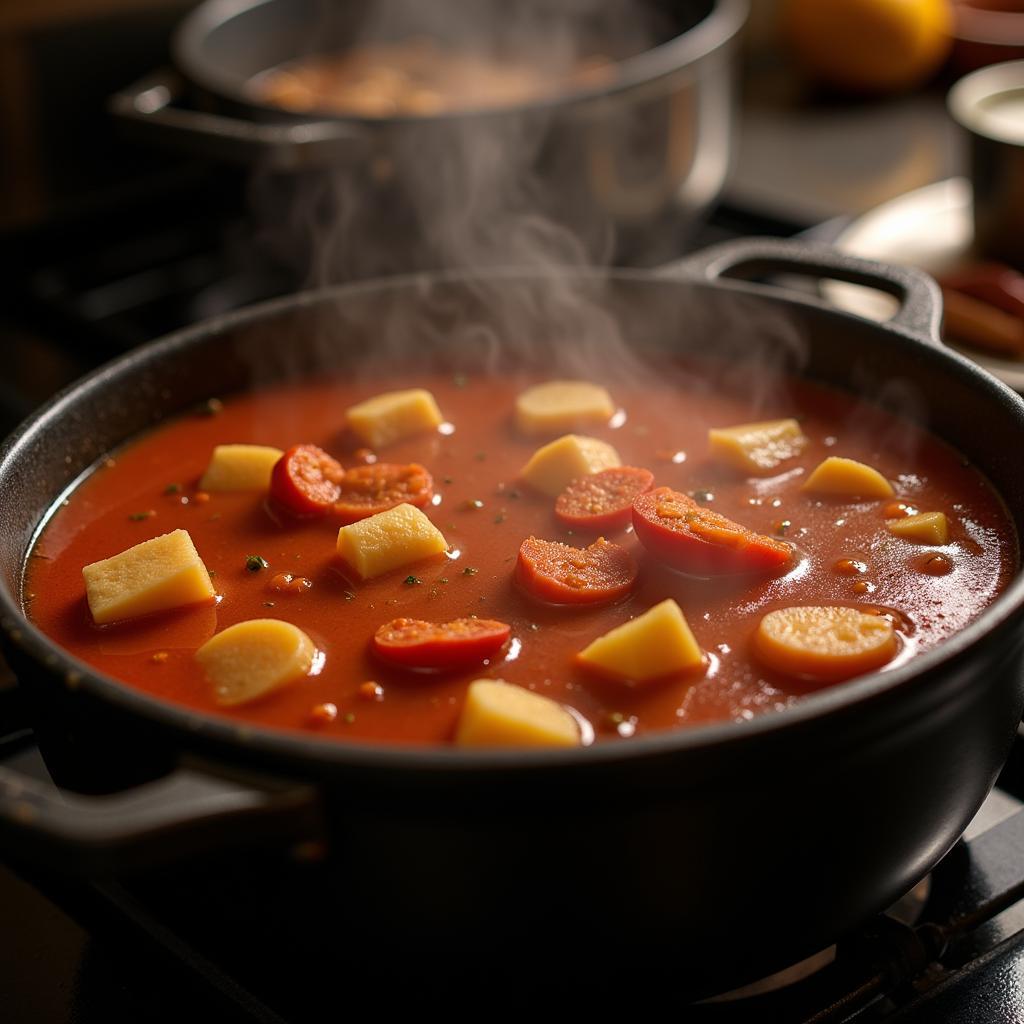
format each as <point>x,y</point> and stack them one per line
<point>297,748</point>
<point>711,33</point>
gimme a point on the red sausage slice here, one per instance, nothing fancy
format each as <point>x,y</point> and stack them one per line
<point>442,646</point>
<point>687,536</point>
<point>602,501</point>
<point>366,490</point>
<point>556,572</point>
<point>305,480</point>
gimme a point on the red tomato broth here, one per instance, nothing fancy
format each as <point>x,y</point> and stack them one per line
<point>479,462</point>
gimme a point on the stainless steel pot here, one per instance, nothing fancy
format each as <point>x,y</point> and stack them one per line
<point>643,155</point>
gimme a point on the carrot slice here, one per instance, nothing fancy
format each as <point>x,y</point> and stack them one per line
<point>692,538</point>
<point>602,501</point>
<point>827,644</point>
<point>562,574</point>
<point>305,480</point>
<point>366,490</point>
<point>441,646</point>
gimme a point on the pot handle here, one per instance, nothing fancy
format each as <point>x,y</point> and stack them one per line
<point>150,107</point>
<point>188,811</point>
<point>920,310</point>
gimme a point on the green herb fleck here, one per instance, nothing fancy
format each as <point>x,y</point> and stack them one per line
<point>500,517</point>
<point>348,718</point>
<point>213,407</point>
<point>256,562</point>
<point>514,494</point>
<point>701,495</point>
<point>447,479</point>
<point>137,517</point>
<point>268,604</point>
<point>172,488</point>
<point>469,571</point>
<point>474,503</point>
<point>443,579</point>
<point>480,456</point>
<point>412,581</point>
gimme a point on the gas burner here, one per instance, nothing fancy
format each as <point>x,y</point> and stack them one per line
<point>907,911</point>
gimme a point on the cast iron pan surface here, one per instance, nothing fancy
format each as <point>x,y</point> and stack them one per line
<point>759,836</point>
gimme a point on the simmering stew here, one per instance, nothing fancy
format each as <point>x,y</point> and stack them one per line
<point>419,78</point>
<point>515,561</point>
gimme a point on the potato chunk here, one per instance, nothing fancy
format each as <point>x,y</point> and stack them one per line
<point>847,478</point>
<point>757,448</point>
<point>240,467</point>
<point>561,405</point>
<point>497,714</point>
<point>924,528</point>
<point>653,645</point>
<point>158,574</point>
<point>389,417</point>
<point>389,540</point>
<point>254,658</point>
<point>554,466</point>
<point>824,643</point>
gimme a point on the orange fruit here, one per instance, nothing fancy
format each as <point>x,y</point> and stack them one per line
<point>869,46</point>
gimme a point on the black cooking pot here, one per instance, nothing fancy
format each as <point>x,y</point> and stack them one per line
<point>723,850</point>
<point>648,149</point>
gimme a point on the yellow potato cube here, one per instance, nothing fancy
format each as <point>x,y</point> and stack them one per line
<point>386,418</point>
<point>240,467</point>
<point>757,448</point>
<point>497,714</point>
<point>847,478</point>
<point>925,528</point>
<point>158,574</point>
<point>555,465</point>
<point>389,540</point>
<point>653,645</point>
<point>561,405</point>
<point>824,643</point>
<point>254,658</point>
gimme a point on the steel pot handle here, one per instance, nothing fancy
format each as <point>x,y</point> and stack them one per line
<point>150,108</point>
<point>187,811</point>
<point>920,310</point>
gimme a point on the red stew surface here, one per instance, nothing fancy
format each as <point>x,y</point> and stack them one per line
<point>844,555</point>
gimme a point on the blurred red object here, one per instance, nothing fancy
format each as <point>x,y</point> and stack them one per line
<point>987,32</point>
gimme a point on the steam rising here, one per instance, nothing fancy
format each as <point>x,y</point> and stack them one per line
<point>468,194</point>
<point>473,192</point>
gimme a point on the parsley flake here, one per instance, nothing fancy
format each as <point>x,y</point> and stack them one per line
<point>256,562</point>
<point>411,581</point>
